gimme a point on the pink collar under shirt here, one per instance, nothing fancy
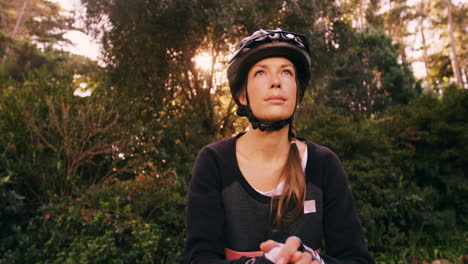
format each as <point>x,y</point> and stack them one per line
<point>279,188</point>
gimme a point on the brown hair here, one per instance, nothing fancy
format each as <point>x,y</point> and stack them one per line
<point>294,186</point>
<point>293,174</point>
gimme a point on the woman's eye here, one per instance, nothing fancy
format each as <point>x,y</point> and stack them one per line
<point>259,73</point>
<point>289,72</point>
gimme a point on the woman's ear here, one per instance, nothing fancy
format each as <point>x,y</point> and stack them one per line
<point>241,97</point>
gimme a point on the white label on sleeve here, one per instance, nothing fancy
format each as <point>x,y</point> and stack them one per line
<point>309,207</point>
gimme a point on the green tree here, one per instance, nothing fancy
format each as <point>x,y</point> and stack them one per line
<point>407,170</point>
<point>369,78</point>
<point>36,21</point>
<point>395,23</point>
<point>450,34</point>
<point>30,29</point>
<point>150,46</point>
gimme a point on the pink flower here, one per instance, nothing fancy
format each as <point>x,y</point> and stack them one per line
<point>78,198</point>
<point>47,216</point>
<point>129,197</point>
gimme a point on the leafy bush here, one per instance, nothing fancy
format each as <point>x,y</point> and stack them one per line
<point>407,170</point>
<point>131,221</point>
<point>13,210</point>
<point>54,146</point>
<point>55,143</point>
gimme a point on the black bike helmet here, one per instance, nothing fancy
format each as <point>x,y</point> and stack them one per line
<point>264,44</point>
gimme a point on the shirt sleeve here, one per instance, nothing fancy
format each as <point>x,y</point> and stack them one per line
<point>344,238</point>
<point>205,213</point>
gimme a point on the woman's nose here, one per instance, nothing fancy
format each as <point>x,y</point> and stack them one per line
<point>275,83</point>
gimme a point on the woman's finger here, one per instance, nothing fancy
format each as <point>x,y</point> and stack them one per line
<point>268,245</point>
<point>288,250</point>
<point>306,258</point>
<point>296,257</point>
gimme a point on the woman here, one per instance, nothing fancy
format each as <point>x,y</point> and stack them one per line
<point>266,196</point>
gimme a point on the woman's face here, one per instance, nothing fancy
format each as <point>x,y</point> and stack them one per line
<point>271,86</point>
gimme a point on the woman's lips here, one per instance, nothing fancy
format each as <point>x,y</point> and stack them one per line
<point>275,99</point>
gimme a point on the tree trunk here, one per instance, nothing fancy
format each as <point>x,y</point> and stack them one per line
<point>423,39</point>
<point>19,20</point>
<point>465,73</point>
<point>456,66</point>
<point>18,23</point>
<point>404,58</point>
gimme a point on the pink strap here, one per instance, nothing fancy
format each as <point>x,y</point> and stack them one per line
<point>231,254</point>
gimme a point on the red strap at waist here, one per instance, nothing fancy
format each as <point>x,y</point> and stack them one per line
<point>231,254</point>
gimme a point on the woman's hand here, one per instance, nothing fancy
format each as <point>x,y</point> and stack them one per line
<point>288,253</point>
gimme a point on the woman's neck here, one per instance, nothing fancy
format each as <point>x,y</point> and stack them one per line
<point>266,145</point>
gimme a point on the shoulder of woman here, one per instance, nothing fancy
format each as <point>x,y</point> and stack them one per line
<point>213,156</point>
<point>210,161</point>
<point>219,147</point>
<point>318,152</point>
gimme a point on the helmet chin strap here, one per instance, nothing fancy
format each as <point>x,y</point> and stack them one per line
<point>246,110</point>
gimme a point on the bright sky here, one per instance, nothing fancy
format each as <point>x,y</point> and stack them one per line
<point>82,44</point>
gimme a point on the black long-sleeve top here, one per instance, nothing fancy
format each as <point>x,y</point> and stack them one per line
<point>224,211</point>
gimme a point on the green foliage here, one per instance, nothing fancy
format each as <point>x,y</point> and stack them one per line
<point>25,57</point>
<point>369,78</point>
<point>40,21</point>
<point>62,203</point>
<point>436,131</point>
<point>13,206</point>
<point>54,142</point>
<point>132,221</point>
<point>442,71</point>
<point>408,174</point>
